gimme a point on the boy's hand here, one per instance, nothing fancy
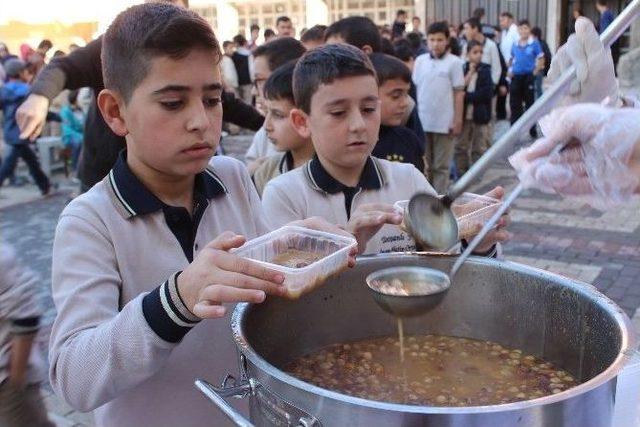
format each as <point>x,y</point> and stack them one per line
<point>498,234</point>
<point>368,219</point>
<point>217,276</point>
<point>320,224</point>
<point>457,128</point>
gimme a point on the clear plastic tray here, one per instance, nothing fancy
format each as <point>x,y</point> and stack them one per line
<point>332,250</point>
<point>471,210</point>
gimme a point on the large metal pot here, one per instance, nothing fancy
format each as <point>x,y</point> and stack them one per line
<point>564,321</point>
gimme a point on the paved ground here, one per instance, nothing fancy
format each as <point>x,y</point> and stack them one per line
<point>598,248</point>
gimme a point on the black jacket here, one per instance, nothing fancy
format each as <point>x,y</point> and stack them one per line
<point>399,144</point>
<point>242,68</point>
<point>83,68</point>
<point>481,97</point>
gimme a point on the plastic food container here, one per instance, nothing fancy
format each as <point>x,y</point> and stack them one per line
<point>471,210</point>
<point>305,257</point>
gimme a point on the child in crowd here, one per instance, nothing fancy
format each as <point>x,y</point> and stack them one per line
<point>20,311</point>
<point>228,68</point>
<point>440,89</point>
<point>294,149</point>
<point>266,58</point>
<point>395,142</point>
<point>143,257</point>
<point>524,55</point>
<point>476,132</point>
<point>12,95</point>
<point>73,127</point>
<point>358,31</point>
<point>338,107</point>
<point>313,37</point>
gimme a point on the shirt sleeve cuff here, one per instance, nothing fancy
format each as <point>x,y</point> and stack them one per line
<point>165,312</point>
<point>491,253</point>
<point>25,326</point>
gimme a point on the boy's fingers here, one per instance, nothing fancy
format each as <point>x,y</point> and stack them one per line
<point>236,264</point>
<point>496,193</point>
<point>379,207</point>
<point>229,294</point>
<point>243,281</point>
<point>209,310</point>
<point>227,241</point>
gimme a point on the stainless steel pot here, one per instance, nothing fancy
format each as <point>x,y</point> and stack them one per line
<point>562,320</point>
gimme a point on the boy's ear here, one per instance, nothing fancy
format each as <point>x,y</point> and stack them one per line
<point>300,122</point>
<point>110,104</point>
<point>367,49</point>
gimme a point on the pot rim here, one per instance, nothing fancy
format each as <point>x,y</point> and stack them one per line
<point>628,344</point>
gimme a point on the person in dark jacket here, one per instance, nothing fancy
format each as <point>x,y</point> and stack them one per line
<point>542,64</point>
<point>83,68</point>
<point>476,132</point>
<point>12,94</point>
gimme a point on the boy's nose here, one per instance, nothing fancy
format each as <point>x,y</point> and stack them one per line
<point>198,119</point>
<point>357,124</point>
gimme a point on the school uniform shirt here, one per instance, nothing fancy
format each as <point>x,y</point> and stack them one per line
<point>123,343</point>
<point>435,80</point>
<point>274,166</point>
<point>20,310</point>
<point>399,144</point>
<point>310,191</point>
<point>508,39</point>
<point>261,146</point>
<point>524,57</point>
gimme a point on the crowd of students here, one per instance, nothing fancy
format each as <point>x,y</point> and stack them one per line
<point>142,268</point>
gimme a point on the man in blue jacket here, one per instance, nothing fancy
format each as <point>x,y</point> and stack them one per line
<point>12,94</point>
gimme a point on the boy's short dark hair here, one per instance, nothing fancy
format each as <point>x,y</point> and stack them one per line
<point>315,33</point>
<point>478,12</point>
<point>254,27</point>
<point>537,32</point>
<point>439,27</point>
<point>416,17</point>
<point>524,22</point>
<point>282,19</point>
<point>387,47</point>
<point>279,85</point>
<point>324,65</point>
<point>506,15</point>
<point>603,3</point>
<point>389,68</point>
<point>402,50</point>
<point>414,39</point>
<point>45,44</point>
<point>147,31</point>
<point>269,33</point>
<point>240,40</point>
<point>358,31</point>
<point>473,43</point>
<point>474,23</point>
<point>280,51</point>
<point>401,12</point>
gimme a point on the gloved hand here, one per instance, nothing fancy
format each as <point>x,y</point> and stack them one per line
<point>600,163</point>
<point>596,80</point>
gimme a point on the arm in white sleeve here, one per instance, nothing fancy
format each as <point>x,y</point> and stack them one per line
<point>496,67</point>
<point>98,349</point>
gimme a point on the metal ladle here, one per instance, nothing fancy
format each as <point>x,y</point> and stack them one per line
<point>430,219</point>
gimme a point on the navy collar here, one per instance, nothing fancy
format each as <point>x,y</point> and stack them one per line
<point>286,163</point>
<point>136,199</point>
<point>372,177</point>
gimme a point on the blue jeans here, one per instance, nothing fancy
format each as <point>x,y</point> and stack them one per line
<point>13,152</point>
<point>75,144</point>
<point>537,85</point>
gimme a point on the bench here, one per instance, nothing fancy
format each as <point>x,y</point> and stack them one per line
<point>52,154</point>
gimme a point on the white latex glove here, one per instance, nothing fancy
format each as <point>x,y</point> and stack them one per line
<point>596,80</point>
<point>599,166</point>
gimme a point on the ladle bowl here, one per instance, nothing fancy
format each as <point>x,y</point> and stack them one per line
<point>418,282</point>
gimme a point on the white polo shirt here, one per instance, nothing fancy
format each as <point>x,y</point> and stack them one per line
<point>123,344</point>
<point>261,146</point>
<point>310,191</point>
<point>435,80</point>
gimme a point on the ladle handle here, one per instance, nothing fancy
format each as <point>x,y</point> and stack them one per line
<point>540,107</point>
<point>217,396</point>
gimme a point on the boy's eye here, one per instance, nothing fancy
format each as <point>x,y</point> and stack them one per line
<point>212,102</point>
<point>337,113</point>
<point>171,105</point>
<point>370,109</point>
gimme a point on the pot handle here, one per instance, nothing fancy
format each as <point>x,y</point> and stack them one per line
<point>217,396</point>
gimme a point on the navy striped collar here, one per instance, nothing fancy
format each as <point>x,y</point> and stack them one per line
<point>136,199</point>
<point>286,163</point>
<point>372,177</point>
